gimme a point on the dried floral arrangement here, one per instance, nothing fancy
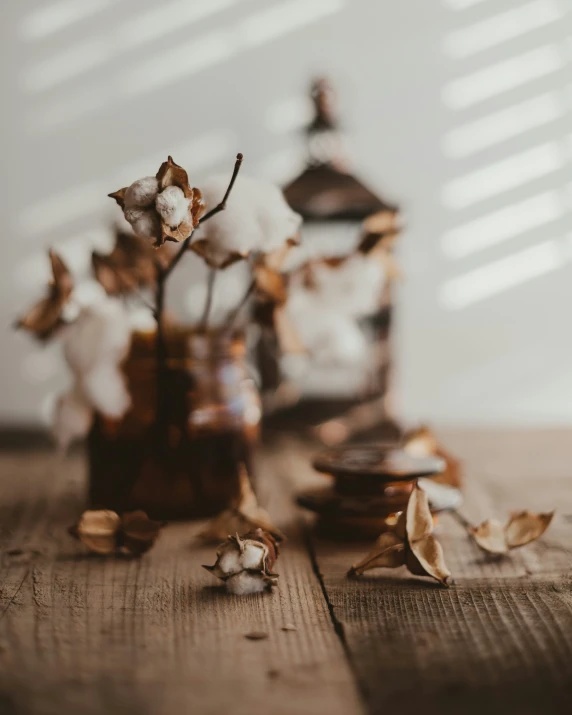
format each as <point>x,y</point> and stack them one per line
<point>162,210</point>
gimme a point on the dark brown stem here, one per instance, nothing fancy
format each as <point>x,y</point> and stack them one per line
<point>209,299</point>
<point>234,315</point>
<point>222,205</point>
<point>161,345</point>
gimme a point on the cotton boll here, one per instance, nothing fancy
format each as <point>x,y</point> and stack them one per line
<point>244,583</point>
<point>72,418</point>
<point>142,192</point>
<point>253,555</point>
<point>145,223</point>
<point>172,205</point>
<point>104,387</point>
<point>257,219</point>
<point>100,333</point>
<point>229,560</point>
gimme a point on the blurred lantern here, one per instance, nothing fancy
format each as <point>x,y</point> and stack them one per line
<point>339,293</point>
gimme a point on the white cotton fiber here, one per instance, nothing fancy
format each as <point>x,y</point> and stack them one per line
<point>257,219</point>
<point>229,561</point>
<point>72,418</point>
<point>245,583</point>
<point>104,387</point>
<point>101,333</point>
<point>142,192</point>
<point>253,555</point>
<point>172,206</point>
<point>144,222</point>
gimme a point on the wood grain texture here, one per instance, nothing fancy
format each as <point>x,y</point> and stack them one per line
<point>500,639</point>
<point>87,635</point>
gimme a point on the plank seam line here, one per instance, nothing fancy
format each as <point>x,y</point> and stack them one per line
<point>337,624</point>
<point>15,594</point>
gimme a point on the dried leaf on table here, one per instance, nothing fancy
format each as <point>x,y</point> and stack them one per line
<point>104,532</point>
<point>45,317</point>
<point>411,544</point>
<point>522,528</point>
<point>244,515</point>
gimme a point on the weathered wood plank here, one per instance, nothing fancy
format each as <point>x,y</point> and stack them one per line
<point>500,639</point>
<point>154,636</point>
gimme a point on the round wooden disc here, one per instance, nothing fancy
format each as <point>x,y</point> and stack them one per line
<point>384,462</point>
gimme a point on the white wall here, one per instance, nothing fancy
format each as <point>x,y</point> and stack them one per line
<point>97,92</point>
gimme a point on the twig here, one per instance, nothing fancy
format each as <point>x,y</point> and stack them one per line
<point>222,205</point>
<point>209,299</point>
<point>233,316</point>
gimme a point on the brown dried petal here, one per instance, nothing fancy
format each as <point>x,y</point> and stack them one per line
<point>429,555</point>
<point>119,196</point>
<point>171,174</point>
<point>201,248</point>
<point>98,530</point>
<point>246,514</point>
<point>270,284</point>
<point>419,522</point>
<point>490,536</point>
<point>526,526</point>
<point>289,339</point>
<point>139,532</point>
<point>45,317</point>
<point>388,552</point>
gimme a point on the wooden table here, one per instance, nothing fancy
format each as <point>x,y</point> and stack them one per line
<point>81,635</point>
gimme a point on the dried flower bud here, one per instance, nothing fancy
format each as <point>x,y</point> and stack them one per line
<point>245,563</point>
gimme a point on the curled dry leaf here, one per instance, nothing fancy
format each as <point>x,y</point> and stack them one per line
<point>522,528</point>
<point>412,544</point>
<point>44,318</point>
<point>132,264</point>
<point>422,442</point>
<point>104,532</point>
<point>244,515</point>
<point>244,563</point>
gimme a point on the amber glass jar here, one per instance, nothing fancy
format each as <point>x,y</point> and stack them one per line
<point>177,454</point>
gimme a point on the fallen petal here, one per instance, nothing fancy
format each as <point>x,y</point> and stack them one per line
<point>526,526</point>
<point>429,554</point>
<point>388,552</point>
<point>139,532</point>
<point>418,520</point>
<point>490,536</point>
<point>97,529</point>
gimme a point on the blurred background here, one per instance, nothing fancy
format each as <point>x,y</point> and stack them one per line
<point>457,110</point>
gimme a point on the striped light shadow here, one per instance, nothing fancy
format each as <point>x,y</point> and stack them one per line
<point>462,4</point>
<point>502,275</point>
<point>503,125</point>
<point>196,55</point>
<point>83,101</point>
<point>167,17</point>
<point>160,20</point>
<point>502,77</point>
<point>502,176</point>
<point>72,62</point>
<point>288,114</point>
<point>500,28</point>
<point>49,19</point>
<point>79,201</point>
<point>502,225</point>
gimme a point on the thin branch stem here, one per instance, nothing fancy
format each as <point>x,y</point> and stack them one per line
<point>235,313</point>
<point>222,205</point>
<point>209,299</point>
